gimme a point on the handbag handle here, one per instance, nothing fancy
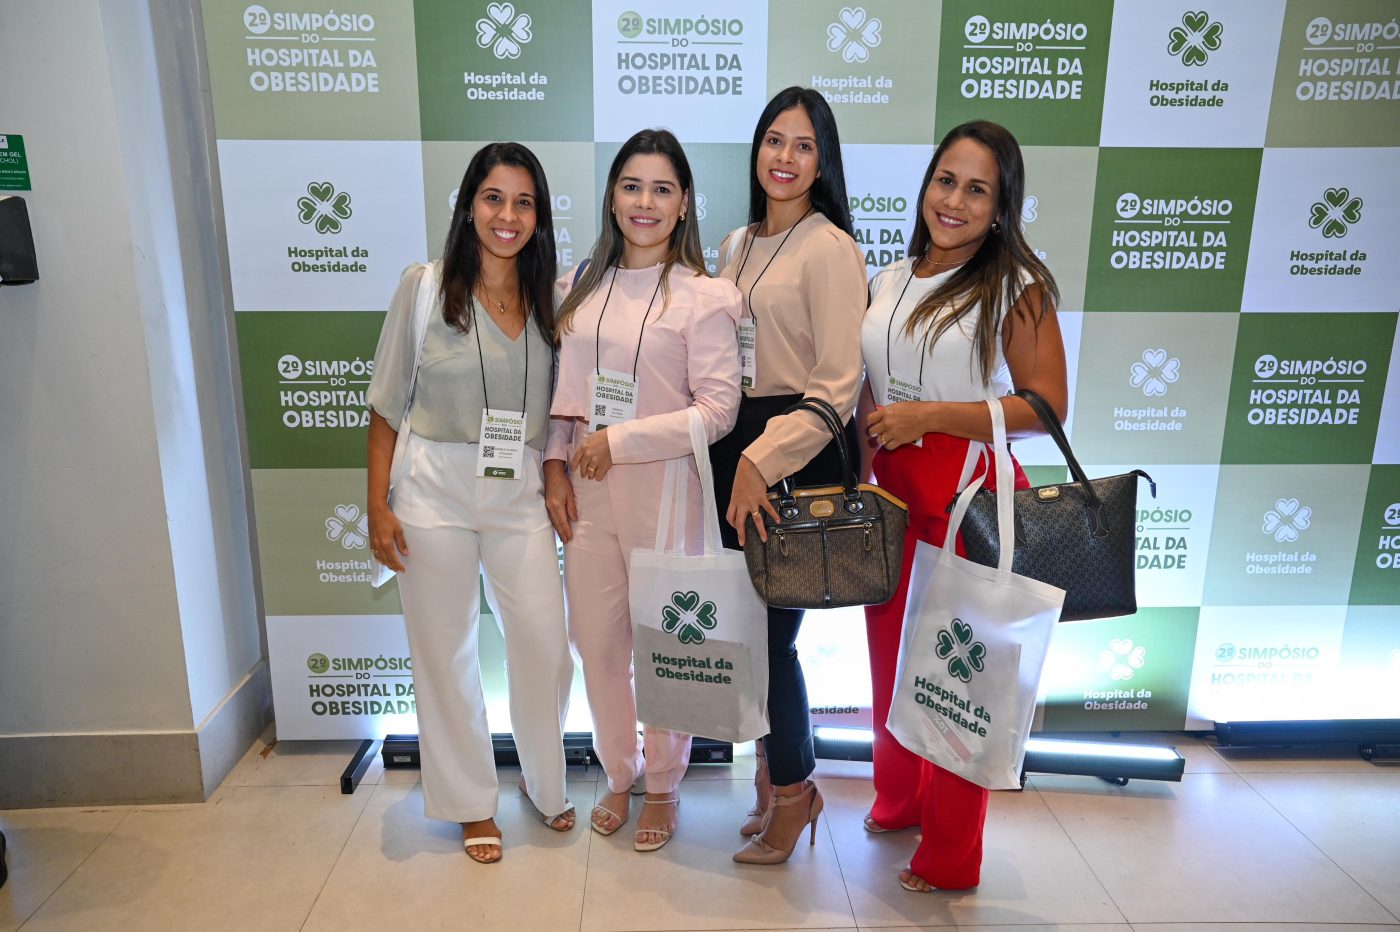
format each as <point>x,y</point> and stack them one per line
<point>823,409</point>
<point>1094,505</point>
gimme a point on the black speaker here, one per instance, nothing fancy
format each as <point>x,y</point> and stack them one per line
<point>17,263</point>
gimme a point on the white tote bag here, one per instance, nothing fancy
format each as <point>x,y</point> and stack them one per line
<point>973,646</point>
<point>423,301</point>
<point>699,631</point>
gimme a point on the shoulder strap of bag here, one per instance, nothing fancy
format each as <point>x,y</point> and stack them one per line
<point>578,272</point>
<point>1005,503</point>
<point>823,410</point>
<point>423,300</point>
<point>1052,424</point>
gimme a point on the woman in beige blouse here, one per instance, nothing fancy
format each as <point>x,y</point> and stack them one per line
<point>803,282</point>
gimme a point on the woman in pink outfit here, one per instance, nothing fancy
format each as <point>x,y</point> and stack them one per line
<point>644,335</point>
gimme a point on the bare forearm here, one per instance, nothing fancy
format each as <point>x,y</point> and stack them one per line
<point>381,454</point>
<point>972,420</point>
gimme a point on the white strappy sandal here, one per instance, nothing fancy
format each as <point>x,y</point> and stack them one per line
<point>488,840</point>
<point>639,845</point>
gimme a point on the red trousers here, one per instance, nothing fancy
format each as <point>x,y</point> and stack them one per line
<point>909,790</point>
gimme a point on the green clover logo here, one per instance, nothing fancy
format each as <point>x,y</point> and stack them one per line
<point>324,208</point>
<point>964,655</point>
<point>688,618</point>
<point>1194,38</point>
<point>1335,212</point>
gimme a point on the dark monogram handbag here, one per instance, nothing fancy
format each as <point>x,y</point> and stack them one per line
<point>1079,536</point>
<point>835,545</point>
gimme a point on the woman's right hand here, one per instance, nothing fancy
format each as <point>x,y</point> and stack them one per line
<point>386,540</point>
<point>559,499</point>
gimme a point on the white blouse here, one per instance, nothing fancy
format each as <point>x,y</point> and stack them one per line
<point>950,372</point>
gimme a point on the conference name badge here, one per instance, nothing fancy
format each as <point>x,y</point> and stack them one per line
<point>612,398</point>
<point>902,388</point>
<point>501,453</point>
<point>748,353</point>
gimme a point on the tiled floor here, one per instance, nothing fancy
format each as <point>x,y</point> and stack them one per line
<point>1245,843</point>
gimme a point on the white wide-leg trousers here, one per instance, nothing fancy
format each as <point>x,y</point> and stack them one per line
<point>457,526</point>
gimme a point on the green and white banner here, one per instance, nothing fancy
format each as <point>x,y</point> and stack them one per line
<point>1213,184</point>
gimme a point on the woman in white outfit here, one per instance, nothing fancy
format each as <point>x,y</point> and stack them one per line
<point>462,504</point>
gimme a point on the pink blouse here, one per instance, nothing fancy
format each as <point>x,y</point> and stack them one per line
<point>689,355</point>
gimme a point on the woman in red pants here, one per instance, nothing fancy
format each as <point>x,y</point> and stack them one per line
<point>933,356</point>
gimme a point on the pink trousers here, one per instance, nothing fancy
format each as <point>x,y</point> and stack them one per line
<point>617,515</point>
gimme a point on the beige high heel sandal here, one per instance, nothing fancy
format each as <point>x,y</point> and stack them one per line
<point>758,851</point>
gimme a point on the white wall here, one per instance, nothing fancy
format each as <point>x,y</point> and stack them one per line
<point>127,594</point>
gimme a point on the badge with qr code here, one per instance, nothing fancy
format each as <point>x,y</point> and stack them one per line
<point>501,449</point>
<point>612,398</point>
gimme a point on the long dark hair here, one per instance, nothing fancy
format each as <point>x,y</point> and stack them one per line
<point>684,248</point>
<point>828,192</point>
<point>990,279</point>
<point>461,255</point>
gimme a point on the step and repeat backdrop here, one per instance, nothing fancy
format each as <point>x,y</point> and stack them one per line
<point>1214,184</point>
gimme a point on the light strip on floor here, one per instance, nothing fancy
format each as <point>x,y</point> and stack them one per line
<point>1110,761</point>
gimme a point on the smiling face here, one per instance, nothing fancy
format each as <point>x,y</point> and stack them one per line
<point>503,211</point>
<point>787,158</point>
<point>648,201</point>
<point>961,201</point>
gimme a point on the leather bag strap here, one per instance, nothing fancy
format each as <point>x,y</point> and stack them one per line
<point>823,409</point>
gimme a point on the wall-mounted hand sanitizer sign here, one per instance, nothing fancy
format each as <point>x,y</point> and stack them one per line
<point>14,164</point>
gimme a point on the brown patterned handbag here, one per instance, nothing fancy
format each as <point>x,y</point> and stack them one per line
<point>834,545</point>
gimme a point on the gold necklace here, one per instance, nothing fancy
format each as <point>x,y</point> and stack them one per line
<point>500,305</point>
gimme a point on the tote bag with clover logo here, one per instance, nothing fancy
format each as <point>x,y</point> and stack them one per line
<point>973,646</point>
<point>699,631</point>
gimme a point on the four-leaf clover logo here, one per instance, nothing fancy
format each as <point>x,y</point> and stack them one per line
<point>350,526</point>
<point>700,206</point>
<point>1335,212</point>
<point>688,618</point>
<point>1286,519</point>
<point>1155,372</point>
<point>964,655</point>
<point>1028,208</point>
<point>502,31</point>
<point>323,208</point>
<point>1122,658</point>
<point>853,34</point>
<point>1195,38</point>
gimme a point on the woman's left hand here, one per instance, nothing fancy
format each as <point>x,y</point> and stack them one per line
<point>896,424</point>
<point>593,458</point>
<point>749,500</point>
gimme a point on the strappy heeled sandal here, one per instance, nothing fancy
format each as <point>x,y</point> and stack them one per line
<point>758,851</point>
<point>637,843</point>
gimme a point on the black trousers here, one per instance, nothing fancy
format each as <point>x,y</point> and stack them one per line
<point>789,743</point>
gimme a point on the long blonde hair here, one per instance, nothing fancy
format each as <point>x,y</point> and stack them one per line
<point>684,248</point>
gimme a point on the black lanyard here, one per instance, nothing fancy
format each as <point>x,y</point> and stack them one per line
<point>923,352</point>
<point>598,333</point>
<point>748,248</point>
<point>524,335</point>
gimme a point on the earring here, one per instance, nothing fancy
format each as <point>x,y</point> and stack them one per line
<point>469,216</point>
<point>996,227</point>
<point>682,218</point>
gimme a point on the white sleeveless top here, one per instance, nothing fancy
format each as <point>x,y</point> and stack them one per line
<point>950,371</point>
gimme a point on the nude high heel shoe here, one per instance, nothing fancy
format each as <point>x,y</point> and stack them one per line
<point>763,791</point>
<point>758,851</point>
